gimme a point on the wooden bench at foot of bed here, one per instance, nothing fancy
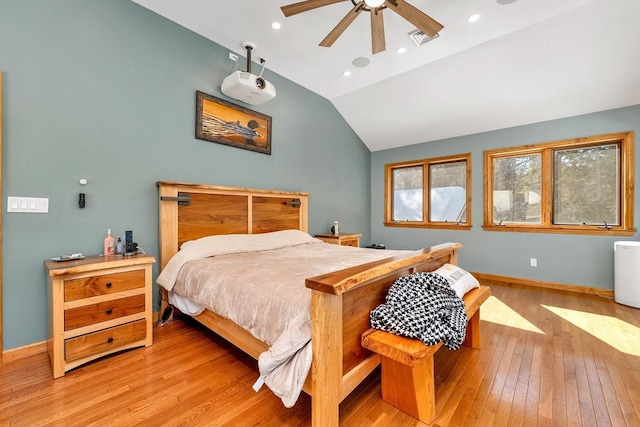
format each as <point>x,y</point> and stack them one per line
<point>407,364</point>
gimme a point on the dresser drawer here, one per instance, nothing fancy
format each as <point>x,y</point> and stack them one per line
<point>101,285</point>
<point>105,340</point>
<point>95,313</point>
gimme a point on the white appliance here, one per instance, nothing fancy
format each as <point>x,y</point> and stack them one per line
<point>627,273</point>
<point>247,87</point>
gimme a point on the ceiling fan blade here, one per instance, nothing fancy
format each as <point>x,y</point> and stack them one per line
<point>303,6</point>
<point>342,25</point>
<point>422,21</point>
<point>377,31</point>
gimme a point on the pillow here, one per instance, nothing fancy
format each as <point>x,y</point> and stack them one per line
<point>460,280</point>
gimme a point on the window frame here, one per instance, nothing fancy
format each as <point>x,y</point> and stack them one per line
<point>426,194</point>
<point>546,150</point>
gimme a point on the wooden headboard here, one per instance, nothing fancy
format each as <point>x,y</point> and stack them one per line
<point>191,211</point>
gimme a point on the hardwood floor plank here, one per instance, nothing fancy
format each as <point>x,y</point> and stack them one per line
<point>484,375</point>
<point>553,359</point>
<point>626,400</point>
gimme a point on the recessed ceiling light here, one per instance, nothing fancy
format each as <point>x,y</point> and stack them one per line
<point>346,73</point>
<point>504,2</point>
<point>276,25</point>
<point>401,50</point>
<point>474,17</point>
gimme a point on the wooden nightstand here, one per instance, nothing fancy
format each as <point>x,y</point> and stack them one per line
<point>344,239</point>
<point>97,306</point>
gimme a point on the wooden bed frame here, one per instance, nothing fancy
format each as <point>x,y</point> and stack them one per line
<point>341,300</point>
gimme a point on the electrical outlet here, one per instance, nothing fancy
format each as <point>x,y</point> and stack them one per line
<point>533,262</point>
<point>233,56</point>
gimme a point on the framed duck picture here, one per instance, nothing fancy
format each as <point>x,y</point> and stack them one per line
<point>223,122</point>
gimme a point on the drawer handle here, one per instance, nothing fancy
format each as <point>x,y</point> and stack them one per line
<point>109,285</point>
<point>110,339</point>
<point>109,311</point>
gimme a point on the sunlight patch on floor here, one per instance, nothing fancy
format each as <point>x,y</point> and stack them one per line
<point>495,311</point>
<point>613,331</point>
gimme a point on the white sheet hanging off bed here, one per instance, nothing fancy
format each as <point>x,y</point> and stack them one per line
<point>258,282</point>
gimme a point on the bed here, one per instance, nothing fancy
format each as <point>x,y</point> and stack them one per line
<point>340,301</point>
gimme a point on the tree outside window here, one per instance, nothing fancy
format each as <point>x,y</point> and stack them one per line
<point>582,185</point>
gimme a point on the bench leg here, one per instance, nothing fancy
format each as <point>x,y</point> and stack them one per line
<point>472,338</point>
<point>410,388</point>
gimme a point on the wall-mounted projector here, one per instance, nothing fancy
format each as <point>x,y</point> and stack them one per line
<point>247,87</point>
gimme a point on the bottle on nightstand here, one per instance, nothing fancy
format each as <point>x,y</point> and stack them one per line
<point>109,246</point>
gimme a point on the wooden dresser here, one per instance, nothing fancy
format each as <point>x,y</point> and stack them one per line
<point>344,239</point>
<point>97,306</point>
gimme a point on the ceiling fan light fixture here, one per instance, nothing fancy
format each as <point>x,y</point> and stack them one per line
<point>374,3</point>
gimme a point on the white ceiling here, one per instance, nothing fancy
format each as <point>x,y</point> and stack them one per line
<point>523,62</point>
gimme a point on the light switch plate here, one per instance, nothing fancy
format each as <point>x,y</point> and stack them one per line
<point>27,204</point>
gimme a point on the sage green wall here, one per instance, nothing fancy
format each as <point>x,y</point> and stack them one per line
<point>105,90</point>
<point>583,260</point>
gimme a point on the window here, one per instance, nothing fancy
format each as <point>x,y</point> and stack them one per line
<point>582,185</point>
<point>431,193</point>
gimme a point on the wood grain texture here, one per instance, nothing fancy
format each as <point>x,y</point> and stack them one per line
<point>337,31</point>
<point>339,363</point>
<point>104,340</point>
<point>101,285</point>
<point>408,381</point>
<point>506,280</point>
<point>191,376</point>
<point>352,278</point>
<point>113,315</point>
<point>422,21</point>
<point>304,6</point>
<point>101,312</point>
<point>344,239</point>
<point>377,31</point>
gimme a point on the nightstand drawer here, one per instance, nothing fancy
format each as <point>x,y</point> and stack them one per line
<point>105,340</point>
<point>101,285</point>
<point>354,241</point>
<point>95,313</point>
<point>342,239</point>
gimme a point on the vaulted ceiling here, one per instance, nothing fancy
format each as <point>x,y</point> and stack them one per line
<point>521,62</point>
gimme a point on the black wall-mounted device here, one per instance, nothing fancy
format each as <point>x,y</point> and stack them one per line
<point>81,200</point>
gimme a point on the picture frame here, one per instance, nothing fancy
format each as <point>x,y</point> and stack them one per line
<point>226,123</point>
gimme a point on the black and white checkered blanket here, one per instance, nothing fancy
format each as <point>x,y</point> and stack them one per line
<point>425,307</point>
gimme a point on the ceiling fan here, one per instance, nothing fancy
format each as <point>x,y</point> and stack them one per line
<point>421,20</point>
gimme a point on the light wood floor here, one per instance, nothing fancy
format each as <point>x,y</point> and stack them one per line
<point>553,359</point>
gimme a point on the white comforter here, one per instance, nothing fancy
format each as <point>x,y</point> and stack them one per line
<point>257,281</point>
